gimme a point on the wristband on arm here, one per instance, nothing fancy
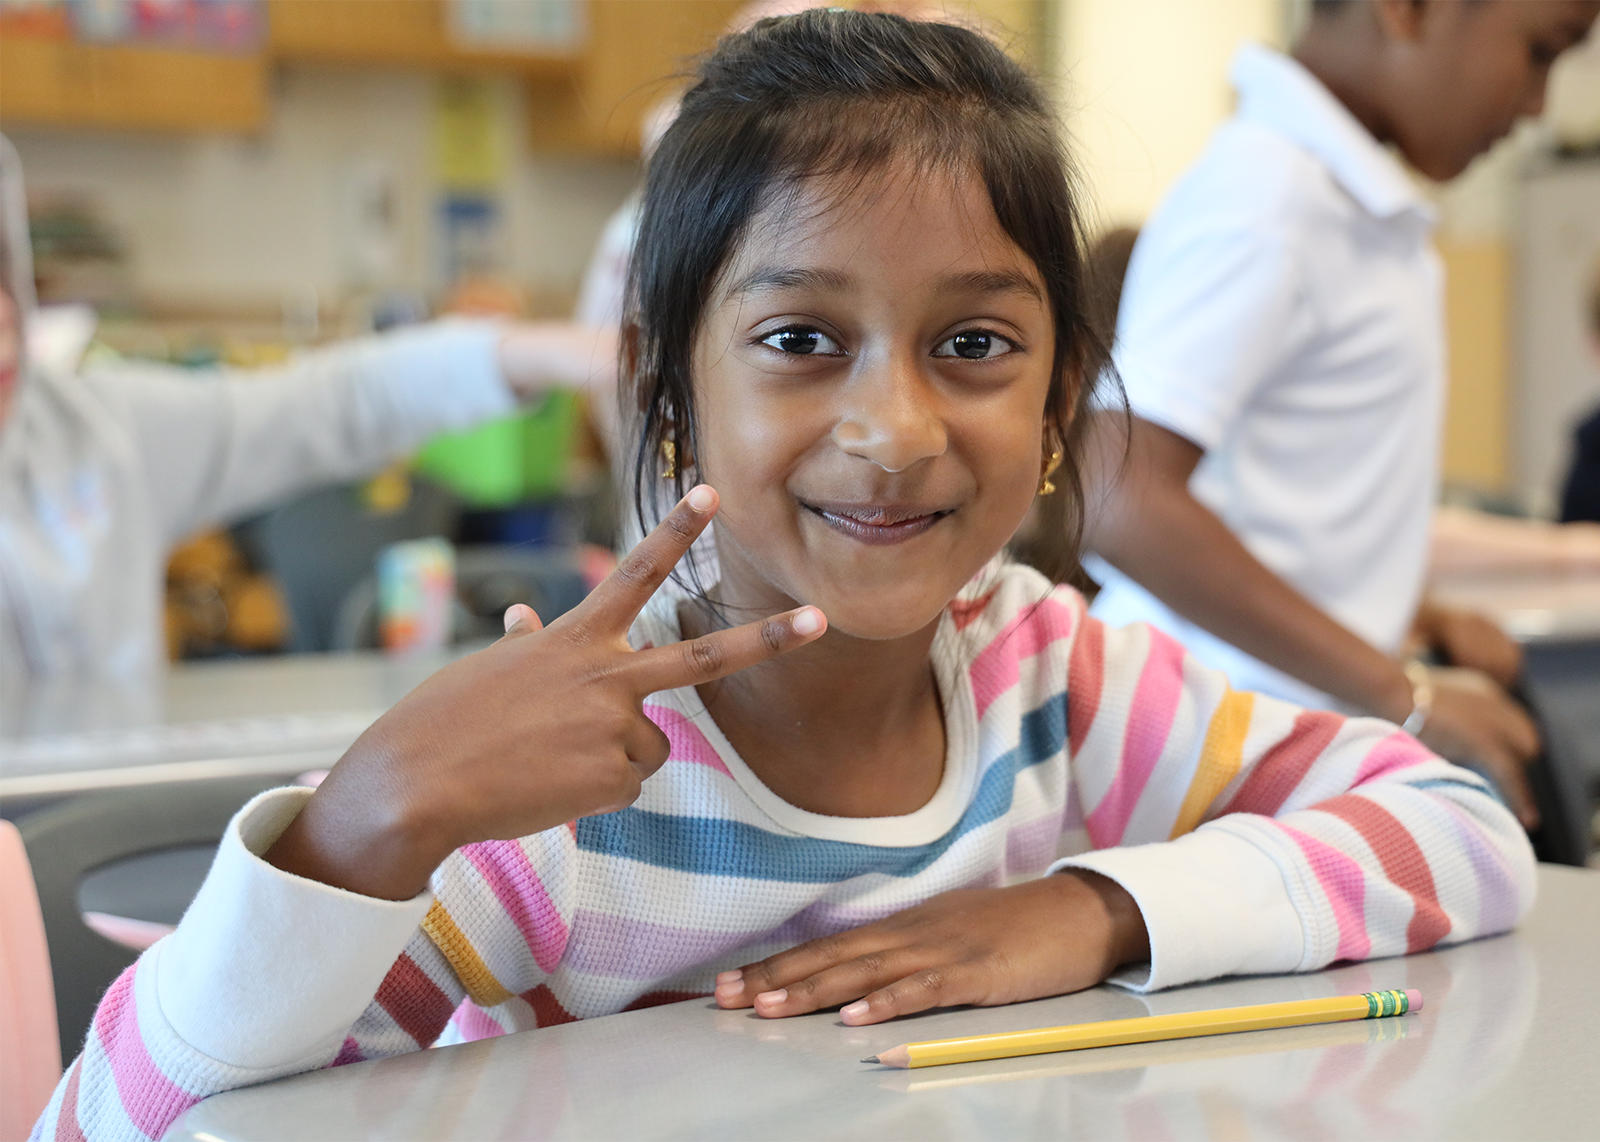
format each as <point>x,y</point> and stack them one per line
<point>1421,697</point>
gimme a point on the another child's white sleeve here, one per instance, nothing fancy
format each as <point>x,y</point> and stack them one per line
<point>217,446</point>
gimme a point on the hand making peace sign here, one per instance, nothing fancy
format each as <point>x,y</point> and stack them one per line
<point>543,727</point>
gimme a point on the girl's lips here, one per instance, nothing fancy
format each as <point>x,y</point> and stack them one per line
<point>876,526</point>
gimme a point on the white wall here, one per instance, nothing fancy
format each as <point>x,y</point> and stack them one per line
<point>223,221</point>
<point>1145,82</point>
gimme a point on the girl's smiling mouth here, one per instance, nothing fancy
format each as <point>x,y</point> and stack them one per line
<point>877,524</point>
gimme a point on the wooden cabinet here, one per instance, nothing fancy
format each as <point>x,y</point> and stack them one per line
<point>61,83</point>
<point>591,98</point>
<point>394,33</point>
<point>636,48</point>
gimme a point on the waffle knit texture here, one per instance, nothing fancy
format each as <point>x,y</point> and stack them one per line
<point>1255,836</point>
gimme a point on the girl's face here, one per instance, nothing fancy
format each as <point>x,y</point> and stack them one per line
<point>870,380</point>
<point>10,352</point>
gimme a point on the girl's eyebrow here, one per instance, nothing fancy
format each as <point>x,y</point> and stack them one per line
<point>990,281</point>
<point>832,281</point>
<point>778,277</point>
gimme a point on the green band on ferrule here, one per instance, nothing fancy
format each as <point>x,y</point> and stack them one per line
<point>1381,1003</point>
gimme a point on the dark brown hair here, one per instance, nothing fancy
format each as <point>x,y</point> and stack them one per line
<point>841,94</point>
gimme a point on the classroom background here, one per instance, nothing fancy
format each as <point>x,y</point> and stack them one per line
<point>229,180</point>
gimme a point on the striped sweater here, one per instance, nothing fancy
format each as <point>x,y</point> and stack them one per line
<point>1254,835</point>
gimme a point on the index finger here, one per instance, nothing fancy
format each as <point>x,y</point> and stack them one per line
<point>620,597</point>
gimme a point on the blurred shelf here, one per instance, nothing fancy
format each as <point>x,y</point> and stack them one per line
<point>394,33</point>
<point>61,83</point>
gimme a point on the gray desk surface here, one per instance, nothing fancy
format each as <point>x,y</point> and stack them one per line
<point>1506,1048</point>
<point>1530,607</point>
<point>231,718</point>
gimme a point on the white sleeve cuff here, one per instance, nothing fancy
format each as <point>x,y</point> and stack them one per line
<point>1214,905</point>
<point>445,376</point>
<point>268,969</point>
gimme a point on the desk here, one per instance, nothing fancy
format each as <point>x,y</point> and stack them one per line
<point>1505,1048</point>
<point>280,715</point>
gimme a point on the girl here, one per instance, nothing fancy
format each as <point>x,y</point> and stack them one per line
<point>856,309</point>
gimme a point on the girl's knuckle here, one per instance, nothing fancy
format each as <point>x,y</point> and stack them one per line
<point>873,963</point>
<point>704,655</point>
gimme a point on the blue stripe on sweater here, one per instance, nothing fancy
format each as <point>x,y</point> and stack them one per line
<point>716,847</point>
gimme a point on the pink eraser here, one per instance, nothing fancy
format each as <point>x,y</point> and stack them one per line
<point>1413,999</point>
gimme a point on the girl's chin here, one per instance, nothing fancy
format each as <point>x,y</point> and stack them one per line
<point>875,619</point>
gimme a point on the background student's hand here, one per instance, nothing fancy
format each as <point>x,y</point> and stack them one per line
<point>1475,721</point>
<point>543,727</point>
<point>982,946</point>
<point>1466,638</point>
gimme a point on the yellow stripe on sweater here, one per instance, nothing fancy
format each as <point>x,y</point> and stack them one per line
<point>1220,758</point>
<point>474,974</point>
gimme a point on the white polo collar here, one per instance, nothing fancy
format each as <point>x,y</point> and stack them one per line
<point>1278,92</point>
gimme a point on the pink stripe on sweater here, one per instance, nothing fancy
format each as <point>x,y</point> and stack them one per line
<point>512,879</point>
<point>1345,886</point>
<point>1155,703</point>
<point>1086,676</point>
<point>688,743</point>
<point>999,665</point>
<point>474,1023</point>
<point>1397,751</point>
<point>1285,764</point>
<point>151,1099</point>
<point>67,1128</point>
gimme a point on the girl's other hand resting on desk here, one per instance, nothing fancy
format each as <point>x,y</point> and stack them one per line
<point>980,946</point>
<point>541,728</point>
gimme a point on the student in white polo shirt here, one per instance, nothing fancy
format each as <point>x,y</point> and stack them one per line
<point>1281,344</point>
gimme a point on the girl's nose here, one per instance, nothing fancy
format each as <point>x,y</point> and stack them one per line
<point>889,419</point>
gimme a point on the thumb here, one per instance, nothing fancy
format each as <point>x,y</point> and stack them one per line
<point>522,619</point>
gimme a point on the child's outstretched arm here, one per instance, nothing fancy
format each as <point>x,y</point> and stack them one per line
<point>311,941</point>
<point>1232,834</point>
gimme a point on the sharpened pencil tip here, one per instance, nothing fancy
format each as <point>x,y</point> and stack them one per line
<point>874,1059</point>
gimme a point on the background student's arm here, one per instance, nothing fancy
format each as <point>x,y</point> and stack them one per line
<point>1147,524</point>
<point>221,446</point>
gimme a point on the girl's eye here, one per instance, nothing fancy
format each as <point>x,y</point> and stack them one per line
<point>975,345</point>
<point>798,339</point>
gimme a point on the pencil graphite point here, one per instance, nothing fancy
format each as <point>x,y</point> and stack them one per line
<point>871,1060</point>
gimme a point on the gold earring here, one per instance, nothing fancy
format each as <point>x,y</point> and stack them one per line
<point>1046,485</point>
<point>669,454</point>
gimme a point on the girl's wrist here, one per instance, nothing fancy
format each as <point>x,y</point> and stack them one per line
<point>363,847</point>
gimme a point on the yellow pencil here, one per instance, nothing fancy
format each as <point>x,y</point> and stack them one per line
<point>1114,1032</point>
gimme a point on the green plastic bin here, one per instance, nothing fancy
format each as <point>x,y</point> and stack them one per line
<point>522,457</point>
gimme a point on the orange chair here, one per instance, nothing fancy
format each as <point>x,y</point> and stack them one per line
<point>29,1043</point>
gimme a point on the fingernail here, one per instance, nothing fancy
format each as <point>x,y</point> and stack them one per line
<point>511,617</point>
<point>731,988</point>
<point>700,498</point>
<point>734,976</point>
<point>855,1010</point>
<point>808,621</point>
<point>772,998</point>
